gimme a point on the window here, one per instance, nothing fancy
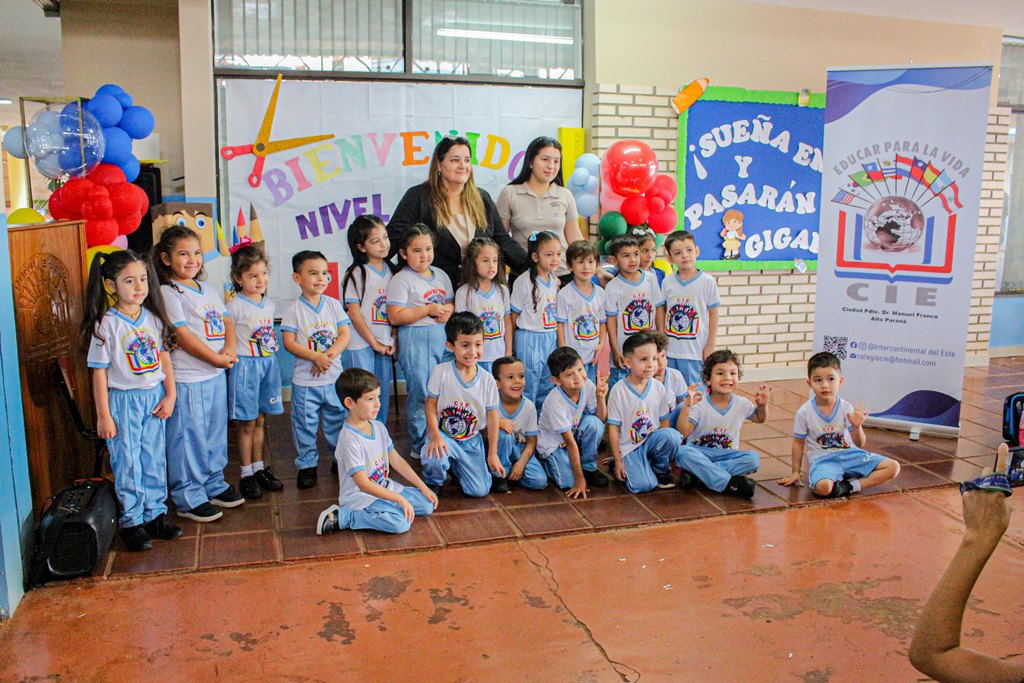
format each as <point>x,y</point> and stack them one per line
<point>1010,269</point>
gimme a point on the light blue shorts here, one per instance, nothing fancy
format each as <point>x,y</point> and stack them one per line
<point>850,461</point>
<point>254,387</point>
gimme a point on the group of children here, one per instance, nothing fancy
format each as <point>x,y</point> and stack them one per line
<point>502,386</point>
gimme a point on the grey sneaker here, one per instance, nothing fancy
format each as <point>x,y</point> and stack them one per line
<point>328,521</point>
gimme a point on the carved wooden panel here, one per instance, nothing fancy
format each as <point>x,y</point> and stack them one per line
<point>48,270</point>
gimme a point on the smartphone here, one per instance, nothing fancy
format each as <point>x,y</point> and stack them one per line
<point>1016,471</point>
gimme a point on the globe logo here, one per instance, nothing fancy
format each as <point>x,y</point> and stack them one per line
<point>894,223</point>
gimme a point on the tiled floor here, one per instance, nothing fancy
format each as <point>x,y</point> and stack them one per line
<point>279,528</point>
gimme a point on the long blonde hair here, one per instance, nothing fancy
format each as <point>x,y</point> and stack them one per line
<point>472,202</point>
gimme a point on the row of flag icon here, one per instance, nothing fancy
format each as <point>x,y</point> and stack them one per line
<point>919,177</point>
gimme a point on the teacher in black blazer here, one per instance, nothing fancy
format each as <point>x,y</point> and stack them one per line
<point>451,205</point>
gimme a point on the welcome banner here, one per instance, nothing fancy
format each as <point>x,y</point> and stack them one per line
<point>339,149</point>
<point>901,186</point>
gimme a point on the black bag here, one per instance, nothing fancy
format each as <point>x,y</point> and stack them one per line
<point>1013,407</point>
<point>75,531</point>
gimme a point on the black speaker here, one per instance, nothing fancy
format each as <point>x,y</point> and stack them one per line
<point>75,531</point>
<point>149,180</point>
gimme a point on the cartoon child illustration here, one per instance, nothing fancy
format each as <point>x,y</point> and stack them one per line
<point>732,233</point>
<point>195,215</point>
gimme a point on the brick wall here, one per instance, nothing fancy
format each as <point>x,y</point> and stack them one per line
<point>768,315</point>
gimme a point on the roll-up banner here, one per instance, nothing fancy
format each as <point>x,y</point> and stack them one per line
<point>901,186</point>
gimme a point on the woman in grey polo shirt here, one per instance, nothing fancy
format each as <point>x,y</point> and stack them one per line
<point>538,200</point>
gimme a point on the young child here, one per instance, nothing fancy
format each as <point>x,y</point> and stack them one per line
<point>254,384</point>
<point>197,430</point>
<point>484,293</point>
<point>648,251</point>
<point>712,425</point>
<point>822,427</point>
<point>572,424</point>
<point>315,329</point>
<point>367,497</point>
<point>691,300</point>
<point>580,307</point>
<point>420,301</point>
<point>533,312</point>
<point>517,438</point>
<point>634,301</point>
<point>637,406</point>
<point>676,388</point>
<point>460,399</point>
<point>133,389</point>
<point>364,289</point>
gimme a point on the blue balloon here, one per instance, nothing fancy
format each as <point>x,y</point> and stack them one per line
<point>587,204</point>
<point>138,122</point>
<point>125,99</point>
<point>14,142</point>
<point>579,177</point>
<point>591,162</point>
<point>131,168</point>
<point>49,165</point>
<point>119,146</point>
<point>49,118</point>
<point>591,185</point>
<point>110,89</point>
<point>70,110</point>
<point>106,109</point>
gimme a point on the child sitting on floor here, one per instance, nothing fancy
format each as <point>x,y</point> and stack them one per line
<point>517,438</point>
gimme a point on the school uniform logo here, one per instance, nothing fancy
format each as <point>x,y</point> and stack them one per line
<point>638,315</point>
<point>262,340</point>
<point>458,420</point>
<point>492,321</point>
<point>435,296</point>
<point>716,438</point>
<point>548,315</point>
<point>377,470</point>
<point>833,438</point>
<point>141,351</point>
<point>585,326</point>
<point>683,321</point>
<point>213,323</point>
<point>320,336</point>
<point>641,427</point>
<point>379,310</point>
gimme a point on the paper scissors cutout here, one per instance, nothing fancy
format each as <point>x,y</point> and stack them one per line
<point>263,145</point>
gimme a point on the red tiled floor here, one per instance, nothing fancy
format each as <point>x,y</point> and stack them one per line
<point>244,518</point>
<point>544,520</point>
<point>237,549</point>
<point>483,525</point>
<point>677,505</point>
<point>422,536</point>
<point>614,512</point>
<point>298,544</point>
<point>165,556</point>
<point>763,500</point>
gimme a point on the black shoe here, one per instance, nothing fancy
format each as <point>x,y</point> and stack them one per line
<point>202,513</point>
<point>250,488</point>
<point>306,478</point>
<point>334,467</point>
<point>161,528</point>
<point>267,481</point>
<point>136,538</point>
<point>740,486</point>
<point>228,498</point>
<point>499,485</point>
<point>841,488</point>
<point>595,478</point>
<point>686,480</point>
<point>436,488</point>
<point>328,521</point>
<point>664,480</point>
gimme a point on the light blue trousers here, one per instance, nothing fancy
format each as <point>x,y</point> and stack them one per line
<point>137,454</point>
<point>690,369</point>
<point>653,455</point>
<point>467,461</point>
<point>715,466</point>
<point>197,442</point>
<point>509,452</point>
<point>310,406</point>
<point>533,348</point>
<point>419,351</point>
<point>588,437</point>
<point>379,365</point>
<point>384,515</point>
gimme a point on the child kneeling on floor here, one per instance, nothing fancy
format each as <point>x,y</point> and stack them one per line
<point>368,498</point>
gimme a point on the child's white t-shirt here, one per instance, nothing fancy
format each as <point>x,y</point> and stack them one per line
<point>675,388</point>
<point>129,350</point>
<point>373,306</point>
<point>539,318</point>
<point>462,406</point>
<point>687,303</point>
<point>633,303</point>
<point>316,328</point>
<point>560,414</point>
<point>202,311</point>
<point>254,326</point>
<point>636,413</point>
<point>357,452</point>
<point>491,308</point>
<point>524,419</point>
<point>823,433</point>
<point>714,428</point>
<point>582,317</point>
<point>409,289</point>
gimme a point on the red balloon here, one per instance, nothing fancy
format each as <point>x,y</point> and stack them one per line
<point>655,203</point>
<point>665,221</point>
<point>126,225</point>
<point>124,200</point>
<point>634,209</point>
<point>73,193</point>
<point>101,207</point>
<point>100,231</point>
<point>57,208</point>
<point>665,187</point>
<point>141,198</point>
<point>629,167</point>
<point>107,175</point>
